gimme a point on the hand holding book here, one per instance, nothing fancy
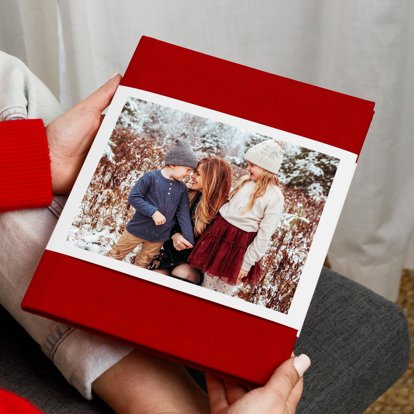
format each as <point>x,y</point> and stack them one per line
<point>281,394</point>
<point>70,136</point>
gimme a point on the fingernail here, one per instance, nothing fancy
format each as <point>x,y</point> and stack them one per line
<point>301,364</point>
<point>115,74</point>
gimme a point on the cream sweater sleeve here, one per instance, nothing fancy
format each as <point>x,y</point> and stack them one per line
<point>22,94</point>
<point>271,219</point>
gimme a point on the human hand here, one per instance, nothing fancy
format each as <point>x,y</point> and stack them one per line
<point>158,218</point>
<point>70,136</point>
<point>180,243</point>
<point>242,274</point>
<point>280,395</point>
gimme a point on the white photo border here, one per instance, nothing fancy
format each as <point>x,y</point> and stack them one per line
<point>321,240</point>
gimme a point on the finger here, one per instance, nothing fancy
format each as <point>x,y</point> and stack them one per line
<point>186,243</point>
<point>216,393</point>
<point>101,98</point>
<point>287,376</point>
<point>294,397</point>
<point>234,391</point>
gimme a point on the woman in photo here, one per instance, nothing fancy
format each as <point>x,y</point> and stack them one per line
<point>208,191</point>
<point>233,245</point>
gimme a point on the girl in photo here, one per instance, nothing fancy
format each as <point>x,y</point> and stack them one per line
<point>232,246</point>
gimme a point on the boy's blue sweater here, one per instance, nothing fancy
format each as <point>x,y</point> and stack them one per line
<point>153,192</point>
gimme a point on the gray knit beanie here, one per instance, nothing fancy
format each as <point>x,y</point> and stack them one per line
<point>181,154</point>
<point>267,155</point>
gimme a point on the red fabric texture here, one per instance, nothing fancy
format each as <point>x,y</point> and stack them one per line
<point>25,179</point>
<point>13,404</point>
<point>220,252</point>
<point>183,327</point>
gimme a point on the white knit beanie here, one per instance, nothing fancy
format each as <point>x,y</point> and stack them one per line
<point>267,155</point>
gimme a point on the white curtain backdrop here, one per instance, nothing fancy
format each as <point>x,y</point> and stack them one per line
<point>362,48</point>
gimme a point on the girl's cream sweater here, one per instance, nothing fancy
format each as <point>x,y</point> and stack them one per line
<point>263,218</point>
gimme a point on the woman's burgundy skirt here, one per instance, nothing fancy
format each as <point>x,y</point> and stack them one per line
<point>220,252</point>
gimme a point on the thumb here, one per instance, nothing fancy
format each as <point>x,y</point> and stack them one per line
<point>102,97</point>
<point>187,243</point>
<point>285,378</point>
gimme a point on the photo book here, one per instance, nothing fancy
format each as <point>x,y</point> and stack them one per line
<point>200,221</point>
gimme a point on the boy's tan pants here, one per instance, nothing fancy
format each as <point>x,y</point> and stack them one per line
<point>128,242</point>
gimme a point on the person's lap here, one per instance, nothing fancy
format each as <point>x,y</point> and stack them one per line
<point>357,341</point>
<point>80,356</point>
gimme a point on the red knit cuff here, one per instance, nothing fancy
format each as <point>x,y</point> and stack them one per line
<point>25,179</point>
<point>12,403</point>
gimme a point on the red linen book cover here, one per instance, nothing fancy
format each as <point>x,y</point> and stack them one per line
<point>221,109</point>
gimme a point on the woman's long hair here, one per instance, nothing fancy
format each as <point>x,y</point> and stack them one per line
<point>217,177</point>
<point>266,179</point>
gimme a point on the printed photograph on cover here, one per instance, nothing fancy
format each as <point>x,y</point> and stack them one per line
<point>206,203</point>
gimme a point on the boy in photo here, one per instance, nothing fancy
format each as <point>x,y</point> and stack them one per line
<point>160,199</point>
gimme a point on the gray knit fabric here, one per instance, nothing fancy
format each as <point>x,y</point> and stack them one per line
<point>181,154</point>
<point>358,343</point>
